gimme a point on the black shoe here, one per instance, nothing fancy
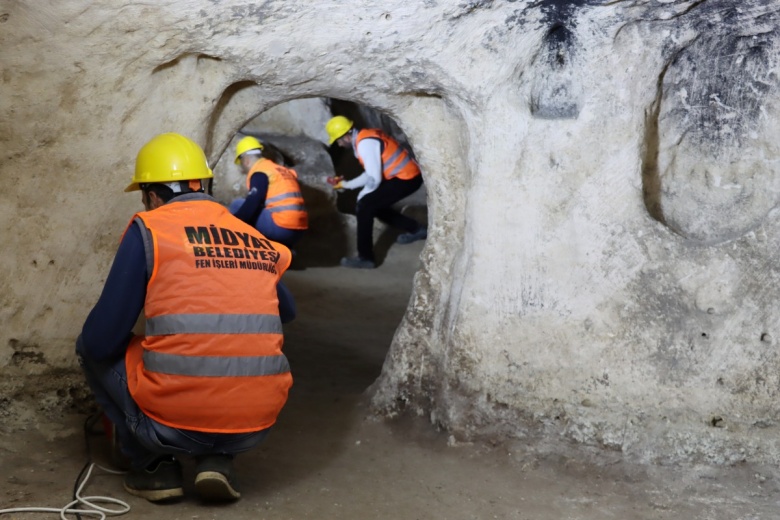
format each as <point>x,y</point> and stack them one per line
<point>408,238</point>
<point>161,481</point>
<point>357,262</point>
<point>215,480</point>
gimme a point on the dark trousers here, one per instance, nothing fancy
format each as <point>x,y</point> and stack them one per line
<point>143,439</point>
<point>378,204</point>
<point>265,224</point>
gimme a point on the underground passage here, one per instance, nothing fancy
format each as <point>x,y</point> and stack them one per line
<point>574,315</point>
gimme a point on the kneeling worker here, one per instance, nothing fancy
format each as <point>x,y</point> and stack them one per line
<point>274,202</point>
<point>208,378</point>
<point>390,175</point>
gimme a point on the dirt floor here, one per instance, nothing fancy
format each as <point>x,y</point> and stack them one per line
<point>327,458</point>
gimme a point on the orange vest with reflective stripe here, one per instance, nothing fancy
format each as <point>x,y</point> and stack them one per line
<point>396,162</point>
<point>284,199</point>
<point>211,359</point>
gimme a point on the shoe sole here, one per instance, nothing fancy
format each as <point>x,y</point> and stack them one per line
<point>214,486</point>
<point>156,495</point>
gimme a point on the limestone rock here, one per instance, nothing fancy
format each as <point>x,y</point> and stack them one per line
<point>601,184</point>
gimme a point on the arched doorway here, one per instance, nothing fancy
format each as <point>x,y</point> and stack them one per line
<point>346,318</point>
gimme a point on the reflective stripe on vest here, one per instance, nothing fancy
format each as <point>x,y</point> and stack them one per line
<point>215,366</point>
<point>392,172</point>
<point>296,194</point>
<point>213,324</point>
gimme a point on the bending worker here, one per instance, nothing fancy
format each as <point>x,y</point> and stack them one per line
<point>274,202</point>
<point>390,175</point>
<point>208,379</point>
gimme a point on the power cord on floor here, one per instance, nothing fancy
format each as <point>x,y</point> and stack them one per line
<point>88,506</point>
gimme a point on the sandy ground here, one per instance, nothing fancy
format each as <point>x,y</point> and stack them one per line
<point>327,458</point>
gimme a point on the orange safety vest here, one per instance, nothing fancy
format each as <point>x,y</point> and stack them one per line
<point>211,359</point>
<point>396,162</point>
<point>284,199</point>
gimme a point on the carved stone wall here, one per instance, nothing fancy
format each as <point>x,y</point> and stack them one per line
<point>602,184</point>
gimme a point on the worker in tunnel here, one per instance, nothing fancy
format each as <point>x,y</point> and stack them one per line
<point>274,202</point>
<point>390,175</point>
<point>208,378</point>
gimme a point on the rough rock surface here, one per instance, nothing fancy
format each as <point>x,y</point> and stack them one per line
<point>601,184</point>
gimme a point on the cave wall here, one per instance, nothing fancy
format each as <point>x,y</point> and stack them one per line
<point>601,183</point>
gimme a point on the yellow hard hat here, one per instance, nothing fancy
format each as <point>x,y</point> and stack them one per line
<point>337,127</point>
<point>169,158</point>
<point>246,144</point>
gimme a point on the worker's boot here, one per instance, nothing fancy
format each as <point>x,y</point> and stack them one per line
<point>357,262</point>
<point>408,238</point>
<point>215,479</point>
<point>161,481</point>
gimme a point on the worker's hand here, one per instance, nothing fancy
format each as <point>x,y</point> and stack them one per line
<point>335,182</point>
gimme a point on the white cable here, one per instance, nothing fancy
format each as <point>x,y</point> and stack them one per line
<point>90,502</point>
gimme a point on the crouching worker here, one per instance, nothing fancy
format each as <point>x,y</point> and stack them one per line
<point>208,378</point>
<point>390,175</point>
<point>274,202</point>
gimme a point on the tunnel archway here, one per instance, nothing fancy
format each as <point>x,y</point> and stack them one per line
<point>346,318</point>
<point>294,136</point>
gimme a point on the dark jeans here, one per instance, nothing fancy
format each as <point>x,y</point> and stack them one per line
<point>142,439</point>
<point>378,204</point>
<point>265,224</point>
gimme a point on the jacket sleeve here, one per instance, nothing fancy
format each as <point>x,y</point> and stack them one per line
<point>108,328</point>
<point>370,152</point>
<point>255,199</point>
<point>287,308</point>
